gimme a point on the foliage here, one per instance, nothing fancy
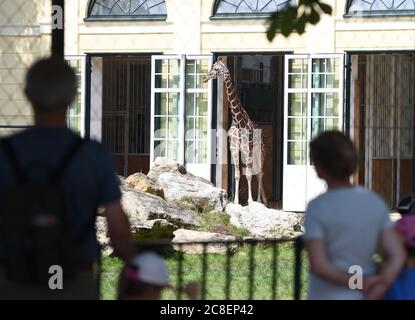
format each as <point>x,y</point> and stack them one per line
<point>295,18</point>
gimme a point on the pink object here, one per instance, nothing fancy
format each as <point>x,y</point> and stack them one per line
<point>406,228</point>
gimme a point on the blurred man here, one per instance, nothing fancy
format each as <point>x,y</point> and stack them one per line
<point>52,183</point>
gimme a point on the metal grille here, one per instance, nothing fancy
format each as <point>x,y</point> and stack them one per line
<point>126,105</point>
<point>275,287</point>
<point>390,101</point>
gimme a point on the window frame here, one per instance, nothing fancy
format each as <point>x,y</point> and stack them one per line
<point>236,16</point>
<point>149,17</point>
<point>200,169</point>
<point>375,13</point>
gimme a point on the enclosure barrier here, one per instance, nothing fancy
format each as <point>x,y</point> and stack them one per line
<point>163,246</point>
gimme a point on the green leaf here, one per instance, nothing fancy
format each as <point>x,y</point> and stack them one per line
<point>272,30</point>
<point>301,24</point>
<point>325,8</point>
<point>314,17</point>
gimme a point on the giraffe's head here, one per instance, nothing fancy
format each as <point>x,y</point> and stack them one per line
<point>218,69</point>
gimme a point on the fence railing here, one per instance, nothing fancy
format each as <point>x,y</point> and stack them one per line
<point>279,267</point>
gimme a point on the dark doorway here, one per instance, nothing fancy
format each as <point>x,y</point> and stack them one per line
<point>127,112</point>
<point>258,79</point>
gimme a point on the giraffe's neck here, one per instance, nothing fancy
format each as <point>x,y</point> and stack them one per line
<point>234,102</point>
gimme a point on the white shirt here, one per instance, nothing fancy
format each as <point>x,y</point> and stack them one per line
<point>349,220</point>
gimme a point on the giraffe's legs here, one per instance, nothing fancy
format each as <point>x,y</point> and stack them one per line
<point>248,162</point>
<point>234,147</point>
<point>237,178</point>
<point>249,179</point>
<point>261,190</point>
<point>259,176</point>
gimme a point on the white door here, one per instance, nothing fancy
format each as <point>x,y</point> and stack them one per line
<point>181,112</point>
<point>198,117</point>
<point>166,108</point>
<point>312,104</point>
<point>76,111</point>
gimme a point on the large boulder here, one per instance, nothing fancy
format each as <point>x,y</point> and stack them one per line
<point>262,222</point>
<point>141,207</point>
<point>185,188</point>
<point>144,183</point>
<point>162,165</point>
<point>194,193</point>
<point>101,228</point>
<point>189,241</point>
<point>152,229</point>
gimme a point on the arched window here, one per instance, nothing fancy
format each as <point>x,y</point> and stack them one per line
<point>380,7</point>
<point>127,9</point>
<point>248,8</point>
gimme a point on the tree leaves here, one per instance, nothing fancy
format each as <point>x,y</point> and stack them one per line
<point>295,18</point>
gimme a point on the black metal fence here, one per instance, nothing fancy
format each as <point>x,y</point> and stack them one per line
<point>280,267</point>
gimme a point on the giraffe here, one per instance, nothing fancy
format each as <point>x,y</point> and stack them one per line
<point>244,136</point>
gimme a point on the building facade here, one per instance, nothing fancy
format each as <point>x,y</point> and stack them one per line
<point>141,63</point>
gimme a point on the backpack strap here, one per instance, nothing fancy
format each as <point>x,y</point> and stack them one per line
<point>18,170</point>
<point>59,172</point>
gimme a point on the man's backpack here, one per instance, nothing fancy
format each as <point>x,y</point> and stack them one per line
<point>35,230</point>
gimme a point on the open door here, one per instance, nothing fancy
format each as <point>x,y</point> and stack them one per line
<point>313,104</point>
<point>125,126</point>
<point>181,112</point>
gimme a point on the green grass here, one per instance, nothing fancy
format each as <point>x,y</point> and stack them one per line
<point>220,222</point>
<point>216,274</point>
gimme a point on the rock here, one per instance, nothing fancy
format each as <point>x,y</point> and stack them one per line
<point>183,236</point>
<point>122,182</point>
<point>102,236</point>
<point>195,193</point>
<point>252,238</point>
<point>162,165</point>
<point>143,183</point>
<point>185,188</point>
<point>153,229</point>
<point>266,223</point>
<point>141,207</point>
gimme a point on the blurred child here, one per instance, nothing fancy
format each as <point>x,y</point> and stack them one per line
<point>344,227</point>
<point>146,277</point>
<point>404,286</point>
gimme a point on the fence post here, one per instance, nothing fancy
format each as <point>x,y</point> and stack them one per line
<point>180,273</point>
<point>204,271</point>
<point>58,28</point>
<point>274,293</point>
<point>298,267</point>
<point>228,273</point>
<point>251,269</point>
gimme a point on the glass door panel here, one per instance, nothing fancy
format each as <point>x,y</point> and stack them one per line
<point>76,112</point>
<point>312,104</point>
<point>181,111</point>
<point>197,116</point>
<point>166,107</point>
